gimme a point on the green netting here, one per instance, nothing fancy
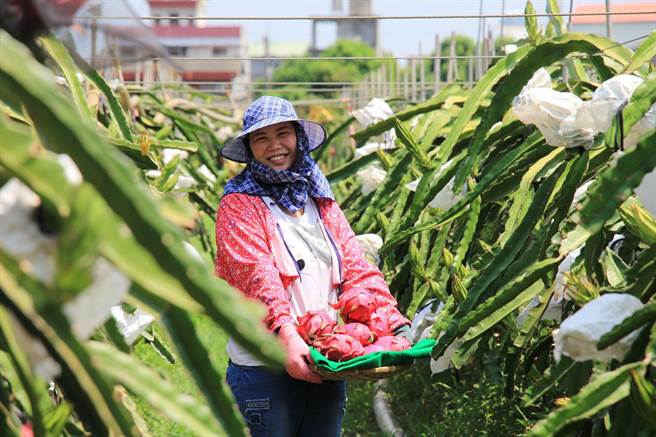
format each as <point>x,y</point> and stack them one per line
<point>421,349</point>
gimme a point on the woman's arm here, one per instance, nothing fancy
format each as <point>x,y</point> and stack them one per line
<point>358,272</point>
<point>245,261</point>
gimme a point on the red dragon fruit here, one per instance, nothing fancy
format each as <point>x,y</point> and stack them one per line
<point>359,331</point>
<point>392,343</point>
<point>356,305</point>
<point>379,323</point>
<point>314,324</point>
<point>339,347</point>
<point>370,348</point>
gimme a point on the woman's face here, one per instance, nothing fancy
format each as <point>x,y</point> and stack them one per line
<point>274,145</point>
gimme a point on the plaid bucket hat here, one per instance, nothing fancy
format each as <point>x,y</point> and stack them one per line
<point>265,111</point>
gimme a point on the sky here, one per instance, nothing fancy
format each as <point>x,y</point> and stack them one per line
<point>400,37</point>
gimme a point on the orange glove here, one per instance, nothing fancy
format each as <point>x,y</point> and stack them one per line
<point>298,355</point>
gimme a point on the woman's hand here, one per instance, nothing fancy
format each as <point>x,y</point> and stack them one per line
<point>298,355</point>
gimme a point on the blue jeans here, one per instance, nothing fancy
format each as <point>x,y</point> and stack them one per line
<point>277,405</point>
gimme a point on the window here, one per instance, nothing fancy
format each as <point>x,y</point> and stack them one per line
<point>174,21</point>
<point>176,51</point>
<point>219,51</point>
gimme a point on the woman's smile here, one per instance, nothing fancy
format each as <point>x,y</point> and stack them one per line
<point>275,145</point>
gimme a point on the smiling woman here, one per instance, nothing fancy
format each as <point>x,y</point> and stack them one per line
<point>275,145</point>
<point>283,240</point>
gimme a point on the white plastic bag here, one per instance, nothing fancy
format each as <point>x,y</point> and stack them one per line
<point>540,105</point>
<point>131,325</point>
<point>646,124</point>
<point>370,245</point>
<point>446,198</point>
<point>376,111</point>
<point>370,177</point>
<point>422,322</point>
<point>578,335</point>
<point>646,192</point>
<point>597,113</point>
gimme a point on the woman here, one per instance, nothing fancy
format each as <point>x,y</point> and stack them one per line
<point>283,240</point>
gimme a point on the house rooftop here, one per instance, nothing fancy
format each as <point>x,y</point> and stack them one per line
<point>197,32</point>
<point>645,12</point>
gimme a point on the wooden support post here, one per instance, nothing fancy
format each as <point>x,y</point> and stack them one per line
<point>451,73</point>
<point>437,63</point>
<point>413,78</point>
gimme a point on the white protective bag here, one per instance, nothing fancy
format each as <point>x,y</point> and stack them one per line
<point>376,111</point>
<point>540,105</point>
<point>446,198</point>
<point>578,335</point>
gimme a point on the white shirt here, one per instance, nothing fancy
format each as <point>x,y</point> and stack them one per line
<point>306,239</point>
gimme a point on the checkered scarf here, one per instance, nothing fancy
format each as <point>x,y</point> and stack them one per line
<point>289,188</point>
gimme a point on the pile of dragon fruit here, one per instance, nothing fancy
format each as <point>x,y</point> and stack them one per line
<point>366,328</point>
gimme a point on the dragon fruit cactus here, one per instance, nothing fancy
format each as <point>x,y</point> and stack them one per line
<point>339,347</point>
<point>314,324</point>
<point>392,343</point>
<point>356,305</point>
<point>359,331</point>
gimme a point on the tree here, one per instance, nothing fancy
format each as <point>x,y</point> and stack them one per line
<point>321,70</point>
<point>464,47</point>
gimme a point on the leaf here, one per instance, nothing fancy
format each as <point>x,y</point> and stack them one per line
<point>522,197</point>
<point>642,99</point>
<point>483,87</point>
<point>384,190</point>
<point>350,168</point>
<point>90,393</point>
<point>604,390</point>
<point>33,386</point>
<point>486,180</point>
<point>507,299</point>
<point>411,145</point>
<point>158,392</point>
<point>434,103</point>
<point>59,53</point>
<point>60,127</point>
<point>543,55</point>
<point>644,54</point>
<point>552,376</point>
<point>531,23</point>
<point>613,187</point>
<point>614,268</point>
<point>556,20</point>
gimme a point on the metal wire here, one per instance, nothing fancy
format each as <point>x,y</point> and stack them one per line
<point>300,58</point>
<point>361,17</point>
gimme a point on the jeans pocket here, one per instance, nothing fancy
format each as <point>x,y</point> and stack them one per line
<point>256,412</point>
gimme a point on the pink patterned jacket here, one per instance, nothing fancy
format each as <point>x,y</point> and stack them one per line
<point>251,256</point>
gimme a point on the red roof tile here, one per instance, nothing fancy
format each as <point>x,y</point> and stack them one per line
<point>172,3</point>
<point>646,10</point>
<point>202,32</point>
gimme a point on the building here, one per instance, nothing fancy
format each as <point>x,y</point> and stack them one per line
<point>194,49</point>
<point>365,30</point>
<point>624,28</point>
